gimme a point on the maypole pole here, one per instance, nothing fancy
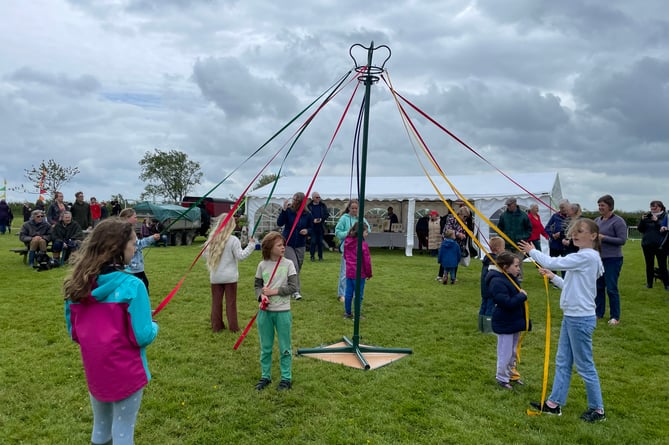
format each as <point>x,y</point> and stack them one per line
<point>368,75</point>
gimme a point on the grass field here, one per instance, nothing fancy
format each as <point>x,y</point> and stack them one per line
<point>444,393</point>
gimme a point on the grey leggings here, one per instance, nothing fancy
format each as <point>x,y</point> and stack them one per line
<point>114,422</point>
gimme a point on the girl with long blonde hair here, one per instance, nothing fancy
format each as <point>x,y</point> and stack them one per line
<point>223,252</point>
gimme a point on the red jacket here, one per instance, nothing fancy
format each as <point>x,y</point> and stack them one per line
<point>537,227</point>
<point>96,211</point>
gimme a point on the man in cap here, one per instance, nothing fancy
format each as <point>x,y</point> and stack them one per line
<point>515,224</point>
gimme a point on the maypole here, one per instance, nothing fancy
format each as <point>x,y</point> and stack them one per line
<point>368,75</point>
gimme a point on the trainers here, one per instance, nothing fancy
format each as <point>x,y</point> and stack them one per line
<point>438,279</point>
<point>262,384</point>
<point>284,385</point>
<point>591,415</point>
<point>613,322</point>
<point>504,385</point>
<point>547,409</point>
<point>297,296</point>
<point>348,316</point>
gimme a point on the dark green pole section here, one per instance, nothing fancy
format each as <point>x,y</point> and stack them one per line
<point>353,346</point>
<point>361,206</point>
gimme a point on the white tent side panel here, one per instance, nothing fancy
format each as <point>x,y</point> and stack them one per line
<point>487,191</point>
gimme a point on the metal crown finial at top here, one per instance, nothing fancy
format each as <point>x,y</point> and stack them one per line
<point>369,72</point>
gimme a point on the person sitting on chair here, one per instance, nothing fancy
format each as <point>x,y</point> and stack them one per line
<point>67,237</point>
<point>35,234</point>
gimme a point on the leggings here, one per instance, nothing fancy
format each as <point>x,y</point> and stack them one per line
<point>114,422</point>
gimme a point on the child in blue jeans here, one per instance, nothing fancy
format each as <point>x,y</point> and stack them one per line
<point>351,259</point>
<point>577,302</point>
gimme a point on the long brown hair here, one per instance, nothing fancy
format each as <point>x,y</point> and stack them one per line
<point>297,201</point>
<point>103,247</point>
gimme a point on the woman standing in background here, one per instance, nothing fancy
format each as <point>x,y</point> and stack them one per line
<point>537,228</point>
<point>651,243</point>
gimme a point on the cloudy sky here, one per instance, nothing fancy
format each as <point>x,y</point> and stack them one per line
<point>576,86</point>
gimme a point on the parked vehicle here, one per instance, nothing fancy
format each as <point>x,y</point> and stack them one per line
<point>210,208</point>
<point>179,224</point>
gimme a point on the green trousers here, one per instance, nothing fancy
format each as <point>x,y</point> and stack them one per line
<point>282,323</point>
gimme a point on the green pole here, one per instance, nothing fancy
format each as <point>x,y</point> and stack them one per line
<point>361,208</point>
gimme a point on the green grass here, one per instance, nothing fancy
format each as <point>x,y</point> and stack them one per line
<point>202,391</point>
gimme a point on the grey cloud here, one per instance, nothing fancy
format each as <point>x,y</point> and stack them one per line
<point>84,84</point>
<point>154,6</point>
<point>636,99</point>
<point>240,93</point>
<point>484,106</point>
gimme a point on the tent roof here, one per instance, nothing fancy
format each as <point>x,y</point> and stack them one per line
<point>398,188</point>
<point>163,212</point>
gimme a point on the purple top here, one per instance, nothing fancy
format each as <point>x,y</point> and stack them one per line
<point>614,230</point>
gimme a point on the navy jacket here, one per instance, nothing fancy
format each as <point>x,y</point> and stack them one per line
<point>286,219</point>
<point>318,211</point>
<point>557,223</point>
<point>449,254</point>
<point>508,317</point>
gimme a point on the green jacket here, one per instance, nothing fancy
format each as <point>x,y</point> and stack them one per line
<point>516,225</point>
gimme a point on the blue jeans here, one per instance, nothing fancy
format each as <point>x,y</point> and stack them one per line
<point>350,286</point>
<point>575,348</point>
<point>609,283</point>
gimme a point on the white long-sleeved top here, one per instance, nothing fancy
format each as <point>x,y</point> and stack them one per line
<point>579,287</point>
<point>227,270</point>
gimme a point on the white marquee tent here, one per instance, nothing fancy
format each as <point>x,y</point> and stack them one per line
<point>410,194</point>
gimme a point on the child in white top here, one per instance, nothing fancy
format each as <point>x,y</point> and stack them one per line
<point>577,301</point>
<point>223,252</point>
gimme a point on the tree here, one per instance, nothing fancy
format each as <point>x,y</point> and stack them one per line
<point>264,180</point>
<point>51,175</point>
<point>171,174</point>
